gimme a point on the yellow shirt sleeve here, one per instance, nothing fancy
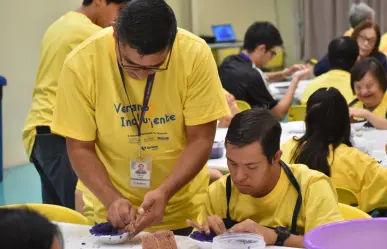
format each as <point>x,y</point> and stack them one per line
<point>205,100</point>
<point>320,205</point>
<point>74,114</point>
<point>373,193</point>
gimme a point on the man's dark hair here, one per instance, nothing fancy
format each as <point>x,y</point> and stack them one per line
<point>262,33</point>
<point>148,26</point>
<point>343,53</point>
<point>24,228</point>
<point>88,2</point>
<point>255,125</point>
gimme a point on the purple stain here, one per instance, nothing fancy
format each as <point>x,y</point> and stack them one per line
<point>202,236</point>
<point>83,243</point>
<point>104,229</point>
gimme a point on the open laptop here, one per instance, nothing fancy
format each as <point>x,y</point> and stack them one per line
<point>223,33</point>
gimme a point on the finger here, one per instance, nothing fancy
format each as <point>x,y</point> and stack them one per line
<point>145,206</point>
<point>195,225</point>
<point>213,225</point>
<point>236,228</point>
<point>132,213</point>
<point>143,222</point>
<point>115,219</point>
<point>221,225</point>
<point>206,227</point>
<point>124,213</point>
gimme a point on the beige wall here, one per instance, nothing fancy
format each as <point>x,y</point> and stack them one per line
<point>182,9</point>
<point>241,14</point>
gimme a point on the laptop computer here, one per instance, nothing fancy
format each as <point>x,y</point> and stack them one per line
<point>223,33</point>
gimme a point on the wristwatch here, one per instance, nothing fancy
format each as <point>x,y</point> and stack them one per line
<point>283,234</point>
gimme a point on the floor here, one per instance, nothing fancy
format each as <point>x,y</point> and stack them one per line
<point>21,185</point>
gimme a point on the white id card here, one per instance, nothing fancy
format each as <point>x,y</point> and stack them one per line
<point>140,172</point>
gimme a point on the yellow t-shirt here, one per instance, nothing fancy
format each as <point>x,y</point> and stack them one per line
<point>339,79</point>
<point>60,38</point>
<point>92,105</point>
<point>380,110</point>
<point>319,202</point>
<point>383,44</point>
<point>348,32</point>
<point>353,170</point>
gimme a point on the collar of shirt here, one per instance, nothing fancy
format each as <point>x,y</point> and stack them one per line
<point>247,58</point>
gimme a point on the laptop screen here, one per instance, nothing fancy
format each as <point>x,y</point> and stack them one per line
<point>223,33</point>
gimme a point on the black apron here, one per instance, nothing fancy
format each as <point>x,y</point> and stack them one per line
<point>229,223</point>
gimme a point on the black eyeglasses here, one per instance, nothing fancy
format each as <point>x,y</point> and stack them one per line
<point>136,67</point>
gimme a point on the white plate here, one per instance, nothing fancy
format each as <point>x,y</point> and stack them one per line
<point>358,126</point>
<point>112,239</point>
<point>202,244</point>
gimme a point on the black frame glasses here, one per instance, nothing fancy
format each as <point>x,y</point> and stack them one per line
<point>136,67</point>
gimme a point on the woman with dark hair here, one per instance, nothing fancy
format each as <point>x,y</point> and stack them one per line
<point>326,147</point>
<point>367,34</point>
<point>369,83</point>
<point>26,229</point>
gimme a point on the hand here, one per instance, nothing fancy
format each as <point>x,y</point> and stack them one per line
<point>120,213</point>
<point>213,223</point>
<point>249,226</point>
<point>232,104</point>
<point>288,72</point>
<point>225,122</point>
<point>152,210</point>
<point>358,113</point>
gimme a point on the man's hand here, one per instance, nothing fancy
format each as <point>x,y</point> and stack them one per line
<point>288,72</point>
<point>249,226</point>
<point>120,213</point>
<point>212,224</point>
<point>152,209</point>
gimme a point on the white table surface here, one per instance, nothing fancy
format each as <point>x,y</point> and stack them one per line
<point>278,89</point>
<point>375,139</point>
<point>78,237</point>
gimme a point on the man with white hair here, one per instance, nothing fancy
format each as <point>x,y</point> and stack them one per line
<point>358,13</point>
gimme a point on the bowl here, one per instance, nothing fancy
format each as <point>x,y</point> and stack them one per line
<point>217,150</point>
<point>358,125</point>
<point>107,234</point>
<point>239,241</point>
<point>354,234</point>
<point>202,240</point>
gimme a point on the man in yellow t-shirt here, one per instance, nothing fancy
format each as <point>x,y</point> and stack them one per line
<point>46,150</point>
<point>262,194</point>
<point>342,55</point>
<point>142,92</point>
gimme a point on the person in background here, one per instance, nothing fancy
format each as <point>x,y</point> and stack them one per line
<point>26,229</point>
<point>47,151</point>
<point>367,35</point>
<point>262,194</point>
<point>242,77</point>
<point>224,122</point>
<point>342,55</point>
<point>358,13</point>
<point>143,91</point>
<point>327,147</point>
<point>369,83</point>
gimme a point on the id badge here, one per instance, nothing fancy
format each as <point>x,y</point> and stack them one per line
<point>140,172</point>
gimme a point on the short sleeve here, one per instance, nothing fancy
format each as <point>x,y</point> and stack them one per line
<point>205,100</point>
<point>74,114</point>
<point>258,94</point>
<point>321,205</point>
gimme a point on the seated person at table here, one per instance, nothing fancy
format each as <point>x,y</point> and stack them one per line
<point>367,35</point>
<point>342,55</point>
<point>369,83</point>
<point>242,77</point>
<point>326,147</point>
<point>358,13</point>
<point>262,194</point>
<point>26,229</point>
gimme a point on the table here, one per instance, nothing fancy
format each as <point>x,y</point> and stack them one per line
<point>371,140</point>
<point>225,45</point>
<point>78,236</point>
<point>278,89</point>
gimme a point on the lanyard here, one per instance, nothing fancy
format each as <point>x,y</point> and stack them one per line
<point>147,94</point>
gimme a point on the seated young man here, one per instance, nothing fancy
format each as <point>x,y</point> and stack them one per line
<point>241,74</point>
<point>262,194</point>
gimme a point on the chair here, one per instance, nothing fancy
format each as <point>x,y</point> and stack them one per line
<point>347,197</point>
<point>352,213</point>
<point>54,213</point>
<point>297,113</point>
<point>243,106</point>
